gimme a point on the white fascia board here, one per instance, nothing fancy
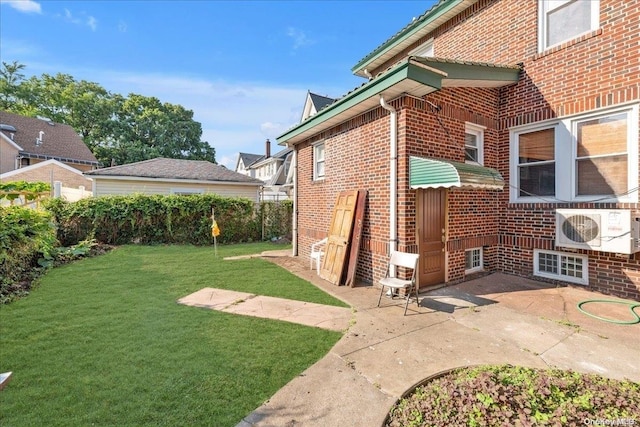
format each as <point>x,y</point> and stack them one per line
<point>11,142</point>
<point>174,180</point>
<point>39,165</point>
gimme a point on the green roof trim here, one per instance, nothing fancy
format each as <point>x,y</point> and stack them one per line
<point>432,173</point>
<point>406,70</point>
<point>428,17</point>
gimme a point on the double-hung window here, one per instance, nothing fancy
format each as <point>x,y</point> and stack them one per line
<point>318,161</point>
<point>589,158</point>
<point>536,163</point>
<point>563,20</point>
<point>474,143</point>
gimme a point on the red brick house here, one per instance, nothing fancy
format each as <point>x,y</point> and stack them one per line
<point>479,126</point>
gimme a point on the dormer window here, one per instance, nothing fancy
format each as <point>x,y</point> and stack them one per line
<point>425,50</point>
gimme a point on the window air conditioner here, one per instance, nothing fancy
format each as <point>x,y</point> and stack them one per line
<point>605,230</point>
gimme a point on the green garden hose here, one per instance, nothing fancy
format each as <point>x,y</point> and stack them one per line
<point>632,306</point>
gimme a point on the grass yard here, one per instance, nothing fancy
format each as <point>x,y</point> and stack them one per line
<point>103,342</point>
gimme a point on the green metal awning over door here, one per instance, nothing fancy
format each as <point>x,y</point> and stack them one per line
<point>431,173</point>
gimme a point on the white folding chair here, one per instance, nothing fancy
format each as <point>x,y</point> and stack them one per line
<point>408,261</point>
<point>317,251</point>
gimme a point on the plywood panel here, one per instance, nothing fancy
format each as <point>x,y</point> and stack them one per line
<point>339,234</point>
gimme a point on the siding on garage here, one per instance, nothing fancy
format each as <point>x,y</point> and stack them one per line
<point>106,187</point>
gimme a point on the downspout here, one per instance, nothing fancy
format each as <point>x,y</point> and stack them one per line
<point>294,220</point>
<point>393,177</point>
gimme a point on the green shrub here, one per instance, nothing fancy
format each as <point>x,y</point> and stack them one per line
<point>26,236</point>
<point>159,219</point>
<point>29,191</point>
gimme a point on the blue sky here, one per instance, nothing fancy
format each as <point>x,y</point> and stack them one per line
<point>242,67</point>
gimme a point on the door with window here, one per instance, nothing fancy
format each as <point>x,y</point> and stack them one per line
<point>431,221</point>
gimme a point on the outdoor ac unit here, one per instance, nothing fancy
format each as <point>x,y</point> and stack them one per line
<point>605,230</point>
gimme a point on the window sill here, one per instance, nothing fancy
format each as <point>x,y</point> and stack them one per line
<point>569,43</point>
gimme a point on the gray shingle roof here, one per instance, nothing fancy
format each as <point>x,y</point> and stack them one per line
<point>59,141</point>
<point>162,168</point>
<point>248,158</point>
<point>320,101</point>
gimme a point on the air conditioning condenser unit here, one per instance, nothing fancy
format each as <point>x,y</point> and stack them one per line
<point>605,230</point>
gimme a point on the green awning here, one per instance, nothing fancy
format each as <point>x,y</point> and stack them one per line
<point>432,173</point>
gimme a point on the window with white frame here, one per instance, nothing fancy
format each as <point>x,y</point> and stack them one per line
<point>474,143</point>
<point>186,191</point>
<point>425,50</point>
<point>568,267</point>
<point>587,158</point>
<point>473,260</point>
<point>318,161</point>
<point>562,20</point>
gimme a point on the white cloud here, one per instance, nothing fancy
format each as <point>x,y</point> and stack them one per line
<point>26,6</point>
<point>89,21</point>
<point>235,116</point>
<point>92,23</point>
<point>299,37</point>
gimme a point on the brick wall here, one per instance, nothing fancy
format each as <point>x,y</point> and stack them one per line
<point>597,70</point>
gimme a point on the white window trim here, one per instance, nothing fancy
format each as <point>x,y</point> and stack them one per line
<point>565,158</point>
<point>478,131</point>
<point>186,191</point>
<point>425,50</point>
<point>317,177</point>
<point>479,267</point>
<point>580,281</point>
<point>543,9</point>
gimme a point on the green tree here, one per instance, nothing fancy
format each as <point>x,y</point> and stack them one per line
<point>117,129</point>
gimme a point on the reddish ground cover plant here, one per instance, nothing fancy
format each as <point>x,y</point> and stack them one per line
<point>516,396</point>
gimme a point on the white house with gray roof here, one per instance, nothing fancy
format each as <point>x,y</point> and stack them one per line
<point>173,176</point>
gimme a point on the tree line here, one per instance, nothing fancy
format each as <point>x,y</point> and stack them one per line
<point>117,129</point>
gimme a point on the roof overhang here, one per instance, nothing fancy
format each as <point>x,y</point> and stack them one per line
<point>432,173</point>
<point>440,13</point>
<point>408,77</point>
<point>169,180</point>
<point>412,76</point>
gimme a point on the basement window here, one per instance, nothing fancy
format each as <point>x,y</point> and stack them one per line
<point>473,260</point>
<point>563,266</point>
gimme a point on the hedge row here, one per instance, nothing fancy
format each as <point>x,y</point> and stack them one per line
<point>26,237</point>
<point>156,219</point>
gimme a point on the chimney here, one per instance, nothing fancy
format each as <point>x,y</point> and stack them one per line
<point>268,148</point>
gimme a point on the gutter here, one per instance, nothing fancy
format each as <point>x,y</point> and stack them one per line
<point>393,178</point>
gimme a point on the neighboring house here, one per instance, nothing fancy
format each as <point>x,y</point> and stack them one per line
<point>244,161</point>
<point>479,124</point>
<point>173,176</point>
<point>37,149</point>
<point>273,171</point>
<point>314,103</point>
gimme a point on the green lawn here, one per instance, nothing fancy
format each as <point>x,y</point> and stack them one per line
<point>103,342</point>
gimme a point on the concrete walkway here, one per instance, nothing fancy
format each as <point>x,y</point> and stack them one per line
<point>305,313</point>
<point>494,319</point>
